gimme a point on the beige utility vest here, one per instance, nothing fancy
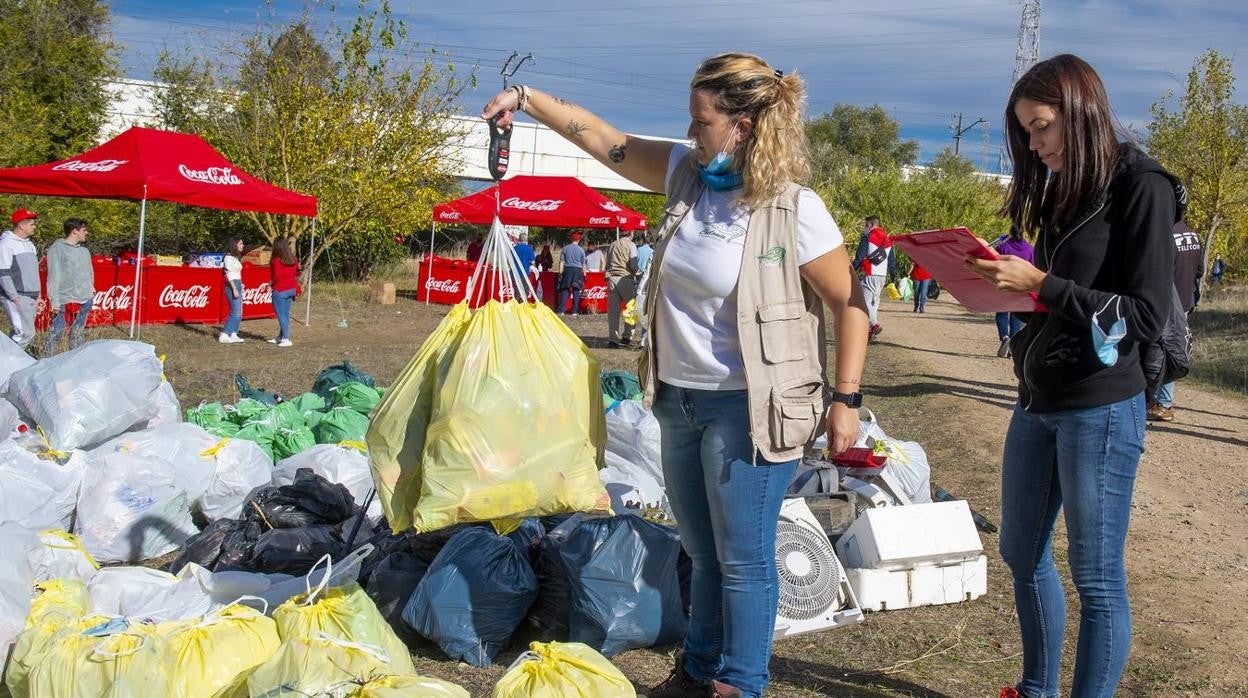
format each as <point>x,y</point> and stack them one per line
<point>779,321</point>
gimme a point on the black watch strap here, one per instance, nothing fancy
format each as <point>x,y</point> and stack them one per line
<point>851,399</point>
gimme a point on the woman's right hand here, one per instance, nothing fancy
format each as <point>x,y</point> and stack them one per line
<point>503,105</point>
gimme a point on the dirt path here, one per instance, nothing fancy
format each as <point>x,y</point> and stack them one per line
<point>1188,548</point>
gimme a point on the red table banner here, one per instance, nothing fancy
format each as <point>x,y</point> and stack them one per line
<point>445,281</point>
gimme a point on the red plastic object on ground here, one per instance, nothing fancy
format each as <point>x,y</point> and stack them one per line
<point>944,253</point>
<point>860,458</point>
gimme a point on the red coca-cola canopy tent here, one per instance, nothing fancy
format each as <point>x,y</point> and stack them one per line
<point>149,164</point>
<point>146,164</point>
<point>553,202</point>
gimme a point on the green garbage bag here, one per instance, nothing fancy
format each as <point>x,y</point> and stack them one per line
<point>225,429</point>
<point>282,416</point>
<point>245,390</point>
<point>621,385</point>
<point>259,432</point>
<point>207,414</point>
<point>246,410</point>
<point>341,424</point>
<point>313,417</point>
<point>288,442</point>
<point>355,395</point>
<point>306,402</point>
<point>331,377</point>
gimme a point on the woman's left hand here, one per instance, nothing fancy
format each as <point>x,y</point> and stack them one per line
<point>1008,273</point>
<point>842,428</point>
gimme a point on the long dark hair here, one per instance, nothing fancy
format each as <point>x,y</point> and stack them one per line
<point>231,247</point>
<point>281,251</point>
<point>1090,146</point>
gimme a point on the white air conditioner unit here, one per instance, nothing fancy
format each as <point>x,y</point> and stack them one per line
<point>814,591</point>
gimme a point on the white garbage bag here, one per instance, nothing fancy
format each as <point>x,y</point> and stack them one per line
<point>276,588</point>
<point>90,394</point>
<point>634,471</point>
<point>907,461</point>
<point>344,465</point>
<point>240,466</point>
<point>60,555</point>
<point>140,592</point>
<point>164,407</point>
<point>38,493</point>
<point>9,418</point>
<point>12,359</point>
<point>131,508</point>
<point>16,581</point>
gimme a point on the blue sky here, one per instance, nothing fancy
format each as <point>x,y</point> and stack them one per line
<point>923,60</point>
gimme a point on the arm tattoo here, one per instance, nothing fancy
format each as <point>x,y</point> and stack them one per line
<point>617,153</point>
<point>576,128</point>
<point>564,102</point>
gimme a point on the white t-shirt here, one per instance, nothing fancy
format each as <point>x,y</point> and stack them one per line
<point>233,269</point>
<point>696,314</point>
<point>595,261</point>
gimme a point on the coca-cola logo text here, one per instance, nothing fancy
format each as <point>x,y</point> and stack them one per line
<point>96,166</point>
<point>191,297</point>
<point>442,285</point>
<point>262,294</point>
<point>113,298</point>
<point>539,205</point>
<point>450,216</point>
<point>595,293</point>
<point>212,175</point>
<point>602,220</point>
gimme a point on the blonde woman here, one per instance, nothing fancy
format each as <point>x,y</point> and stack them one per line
<point>736,366</point>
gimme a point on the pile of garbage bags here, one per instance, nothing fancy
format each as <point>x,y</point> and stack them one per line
<point>498,416</point>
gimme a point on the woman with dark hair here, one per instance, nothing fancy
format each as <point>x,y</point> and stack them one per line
<point>735,366</point>
<point>233,268</point>
<point>284,267</point>
<point>1101,212</point>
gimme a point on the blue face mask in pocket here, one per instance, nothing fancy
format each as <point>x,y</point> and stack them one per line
<point>1106,343</point>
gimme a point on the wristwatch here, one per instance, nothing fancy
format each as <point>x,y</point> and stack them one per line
<point>851,399</point>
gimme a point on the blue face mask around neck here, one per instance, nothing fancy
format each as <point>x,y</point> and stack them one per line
<point>717,174</point>
<point>1106,343</point>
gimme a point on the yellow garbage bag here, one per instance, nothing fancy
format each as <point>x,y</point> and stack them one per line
<point>212,656</point>
<point>344,613</point>
<point>409,687</point>
<point>58,604</point>
<point>562,670</point>
<point>321,666</point>
<point>498,416</point>
<point>102,657</point>
<point>891,292</point>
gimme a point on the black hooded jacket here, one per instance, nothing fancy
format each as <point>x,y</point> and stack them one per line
<point>1112,266</point>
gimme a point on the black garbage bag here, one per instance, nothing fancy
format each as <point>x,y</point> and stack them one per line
<point>224,544</point>
<point>309,500</point>
<point>473,596</point>
<point>611,583</point>
<point>428,545</point>
<point>333,376</point>
<point>385,543</point>
<point>391,584</point>
<point>294,550</point>
<point>528,538</point>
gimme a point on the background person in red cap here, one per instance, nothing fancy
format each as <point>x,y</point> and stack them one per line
<point>572,278</point>
<point>19,276</point>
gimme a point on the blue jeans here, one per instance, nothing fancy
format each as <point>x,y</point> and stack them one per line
<point>1008,325</point>
<point>76,330</point>
<point>726,510</point>
<point>571,282</point>
<point>1165,394</point>
<point>282,300</point>
<point>1083,462</point>
<point>234,299</point>
<point>920,293</point>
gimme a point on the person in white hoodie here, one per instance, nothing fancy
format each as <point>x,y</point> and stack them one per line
<point>19,276</point>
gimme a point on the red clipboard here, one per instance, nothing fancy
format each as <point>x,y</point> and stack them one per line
<point>944,253</point>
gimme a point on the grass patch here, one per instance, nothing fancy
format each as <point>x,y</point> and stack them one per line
<point>1220,348</point>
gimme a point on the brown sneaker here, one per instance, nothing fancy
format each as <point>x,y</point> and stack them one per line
<point>723,690</point>
<point>679,684</point>
<point>1159,413</point>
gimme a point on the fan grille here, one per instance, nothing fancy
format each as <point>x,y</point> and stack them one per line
<point>810,592</point>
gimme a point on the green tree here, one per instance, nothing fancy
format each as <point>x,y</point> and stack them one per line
<point>856,137</point>
<point>1204,141</point>
<point>357,117</point>
<point>951,164</point>
<point>645,203</point>
<point>54,65</point>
